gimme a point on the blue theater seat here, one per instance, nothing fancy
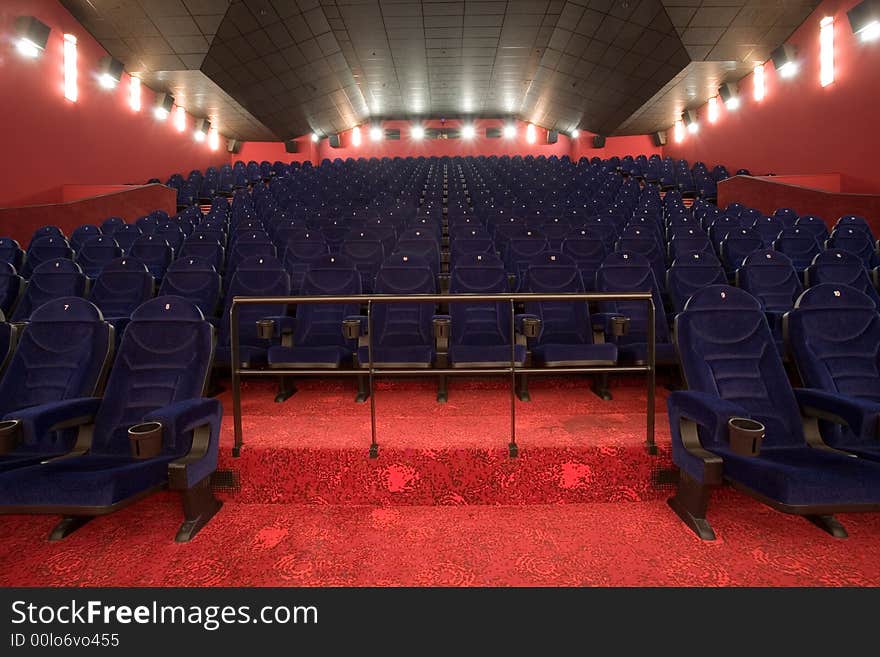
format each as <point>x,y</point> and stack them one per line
<point>95,253</point>
<point>122,287</point>
<point>836,266</point>
<point>298,255</point>
<point>367,254</point>
<point>8,335</point>
<point>588,251</point>
<point>159,376</point>
<point>196,280</point>
<point>81,234</point>
<point>692,272</point>
<point>11,286</point>
<point>733,370</point>
<point>111,224</point>
<point>43,249</point>
<point>631,272</point>
<point>566,336</point>
<point>770,278</point>
<point>50,280</point>
<point>154,252</point>
<point>125,235</point>
<point>799,244</point>
<point>814,225</point>
<point>834,333</point>
<point>737,246</point>
<point>64,352</point>
<point>855,241</point>
<point>255,276</point>
<point>205,247</point>
<point>768,228</point>
<point>11,252</point>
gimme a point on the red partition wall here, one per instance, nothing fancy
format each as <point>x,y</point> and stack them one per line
<point>614,146</point>
<point>274,151</point>
<point>767,194</point>
<point>20,223</point>
<point>49,141</point>
<point>800,126</point>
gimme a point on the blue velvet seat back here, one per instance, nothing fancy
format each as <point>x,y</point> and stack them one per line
<point>61,354</point>
<point>95,253</point>
<point>648,247</point>
<point>52,279</point>
<point>154,252</point>
<point>244,248</point>
<point>588,251</point>
<point>631,272</point>
<point>165,356</point>
<point>835,337</point>
<point>123,285</point>
<point>403,324</point>
<point>836,266</point>
<point>799,244</point>
<point>476,323</point>
<point>194,279</point>
<point>814,225</point>
<point>111,224</point>
<point>10,287</point>
<point>738,245</point>
<point>321,324</point>
<point>770,277</point>
<point>857,242</point>
<point>520,248</point>
<point>256,276</point>
<point>691,272</point>
<point>367,254</point>
<point>424,249</point>
<point>562,322</point>
<point>43,249</point>
<point>81,234</point>
<point>11,252</point>
<point>206,248</point>
<point>727,350</point>
<point>125,235</point>
<point>768,228</point>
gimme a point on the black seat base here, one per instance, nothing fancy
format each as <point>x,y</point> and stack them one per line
<point>690,502</point>
<point>199,506</point>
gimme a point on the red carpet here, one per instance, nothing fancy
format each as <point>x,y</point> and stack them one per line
<point>443,505</point>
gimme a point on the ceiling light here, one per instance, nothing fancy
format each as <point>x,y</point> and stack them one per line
<point>109,72</point>
<point>33,35</point>
<point>784,59</point>
<point>356,136</point>
<point>864,19</point>
<point>70,87</point>
<point>214,139</point>
<point>679,132</point>
<point>134,94</point>
<point>417,132</point>
<point>180,119</point>
<point>826,51</point>
<point>467,131</point>
<point>376,133</point>
<point>575,133</point>
<point>509,131</point>
<point>758,81</point>
<point>531,137</point>
<point>729,95</point>
<point>316,137</point>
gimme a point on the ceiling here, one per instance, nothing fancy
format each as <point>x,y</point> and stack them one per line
<point>274,69</point>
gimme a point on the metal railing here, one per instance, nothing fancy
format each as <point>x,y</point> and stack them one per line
<point>369,369</point>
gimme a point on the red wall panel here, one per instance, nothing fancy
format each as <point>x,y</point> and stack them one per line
<point>49,141</point>
<point>800,126</point>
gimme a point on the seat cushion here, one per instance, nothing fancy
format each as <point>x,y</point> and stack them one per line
<point>637,352</point>
<point>83,481</point>
<point>494,355</point>
<point>250,356</point>
<point>583,355</point>
<point>303,356</point>
<point>418,355</point>
<point>22,459</point>
<point>805,476</point>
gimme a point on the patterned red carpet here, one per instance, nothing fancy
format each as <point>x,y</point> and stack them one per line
<point>443,505</point>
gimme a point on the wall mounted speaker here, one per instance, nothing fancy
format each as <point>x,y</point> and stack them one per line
<point>598,141</point>
<point>334,140</point>
<point>493,133</point>
<point>659,138</point>
<point>165,102</point>
<point>552,136</point>
<point>291,146</point>
<point>392,133</point>
<point>234,146</point>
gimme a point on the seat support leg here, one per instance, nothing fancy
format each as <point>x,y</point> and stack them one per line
<point>199,506</point>
<point>67,526</point>
<point>362,394</point>
<point>829,524</point>
<point>690,503</point>
<point>522,387</point>
<point>442,390</point>
<point>286,389</point>
<point>600,386</point>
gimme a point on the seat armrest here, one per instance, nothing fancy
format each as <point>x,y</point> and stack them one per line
<point>201,418</point>
<point>860,415</point>
<point>37,421</point>
<point>689,410</point>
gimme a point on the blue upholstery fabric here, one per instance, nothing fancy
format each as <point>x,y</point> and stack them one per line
<point>206,248</point>
<point>318,338</point>
<point>95,253</point>
<point>298,255</point>
<point>163,363</point>
<point>50,280</point>
<point>480,332</point>
<point>770,277</point>
<point>196,280</point>
<point>11,285</point>
<point>834,332</point>
<point>124,284</point>
<point>154,252</point>
<point>566,335</point>
<point>691,272</point>
<point>737,246</point>
<point>588,251</point>
<point>43,249</point>
<point>125,235</point>
<point>630,272</point>
<point>799,244</point>
<point>11,252</point>
<point>81,234</point>
<point>856,241</point>
<point>402,332</point>
<point>730,363</point>
<point>836,266</point>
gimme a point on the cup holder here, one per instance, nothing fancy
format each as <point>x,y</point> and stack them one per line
<point>619,326</point>
<point>351,329</point>
<point>10,435</point>
<point>266,329</point>
<point>531,327</point>
<point>745,435</point>
<point>146,440</point>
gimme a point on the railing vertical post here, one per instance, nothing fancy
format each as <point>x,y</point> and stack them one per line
<point>374,444</point>
<point>236,379</point>
<point>652,377</point>
<point>512,448</point>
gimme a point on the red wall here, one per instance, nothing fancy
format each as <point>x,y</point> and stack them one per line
<point>801,127</point>
<point>49,141</point>
<point>479,145</point>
